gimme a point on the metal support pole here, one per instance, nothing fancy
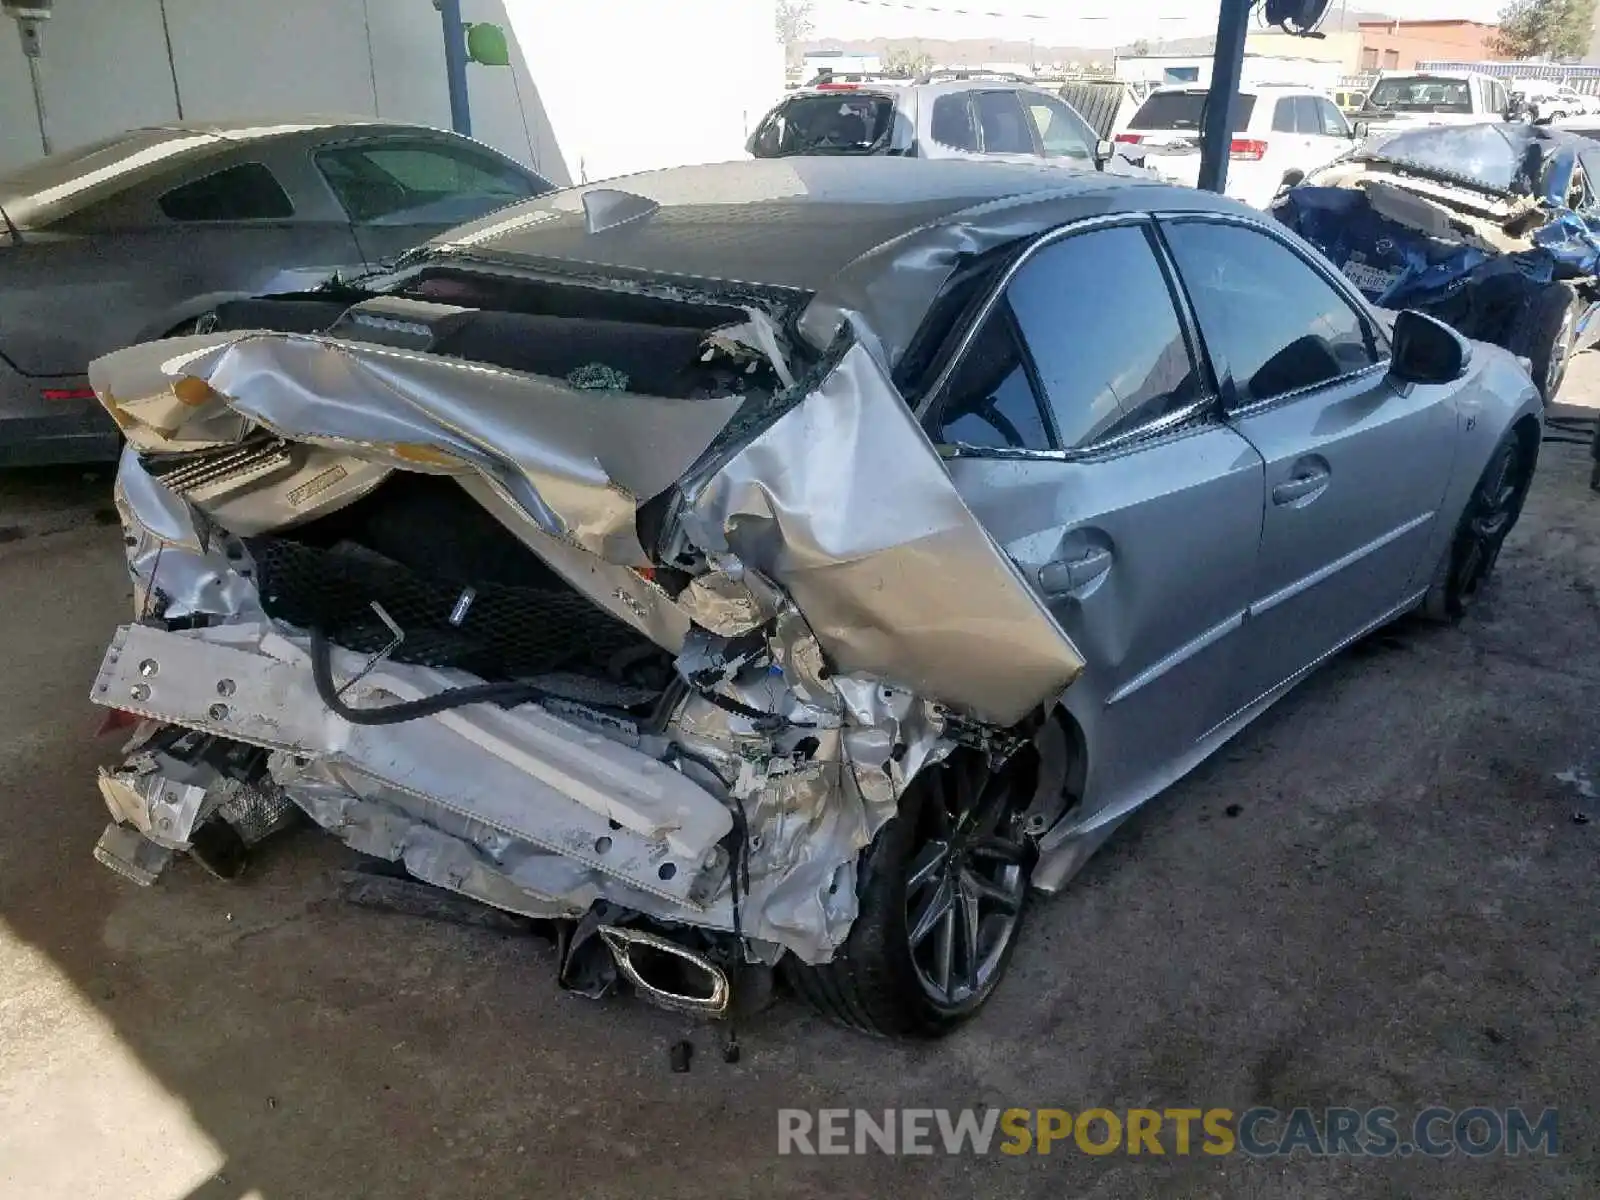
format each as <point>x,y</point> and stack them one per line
<point>455,64</point>
<point>1227,68</point>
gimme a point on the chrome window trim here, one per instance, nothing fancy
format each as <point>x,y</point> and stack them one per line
<point>1151,428</point>
<point>1127,440</point>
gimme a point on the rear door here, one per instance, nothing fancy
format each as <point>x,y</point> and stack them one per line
<point>399,192</point>
<point>1356,468</point>
<point>1081,432</point>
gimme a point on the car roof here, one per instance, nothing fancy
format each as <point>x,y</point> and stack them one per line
<point>50,188</point>
<point>792,223</point>
<point>1252,89</point>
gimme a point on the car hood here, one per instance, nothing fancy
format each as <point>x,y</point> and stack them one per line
<point>1506,159</point>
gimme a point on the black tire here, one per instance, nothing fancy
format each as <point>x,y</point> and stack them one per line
<point>1489,517</point>
<point>875,984</point>
<point>1544,334</point>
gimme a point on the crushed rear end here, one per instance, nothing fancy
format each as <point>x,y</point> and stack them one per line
<point>640,623</point>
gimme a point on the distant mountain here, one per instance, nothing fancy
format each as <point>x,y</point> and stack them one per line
<point>971,52</point>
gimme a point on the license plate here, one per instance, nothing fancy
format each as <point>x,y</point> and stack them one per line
<point>1369,278</point>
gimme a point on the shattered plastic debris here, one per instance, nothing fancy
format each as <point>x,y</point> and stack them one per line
<point>597,377</point>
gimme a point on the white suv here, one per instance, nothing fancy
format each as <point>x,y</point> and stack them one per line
<point>1280,134</point>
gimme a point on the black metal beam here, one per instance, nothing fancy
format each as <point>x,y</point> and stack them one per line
<point>455,65</point>
<point>1227,68</point>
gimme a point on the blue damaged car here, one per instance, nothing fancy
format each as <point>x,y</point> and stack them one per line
<point>1493,228</point>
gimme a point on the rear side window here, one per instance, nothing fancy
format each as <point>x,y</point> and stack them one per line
<point>951,123</point>
<point>1002,123</point>
<point>1272,323</point>
<point>1186,110</point>
<point>247,192</point>
<point>1307,115</point>
<point>1104,360</point>
<point>432,184</point>
<point>1108,359</point>
<point>825,123</point>
<point>1283,116</point>
<point>991,401</point>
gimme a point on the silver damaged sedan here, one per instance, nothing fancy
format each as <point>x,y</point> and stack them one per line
<point>781,566</point>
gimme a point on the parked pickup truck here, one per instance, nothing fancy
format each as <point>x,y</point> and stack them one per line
<point>1405,99</point>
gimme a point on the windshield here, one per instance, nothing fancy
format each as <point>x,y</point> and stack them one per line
<point>63,184</point>
<point>1186,110</point>
<point>1421,94</point>
<point>838,123</point>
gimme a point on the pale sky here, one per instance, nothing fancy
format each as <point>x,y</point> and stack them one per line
<point>1072,22</point>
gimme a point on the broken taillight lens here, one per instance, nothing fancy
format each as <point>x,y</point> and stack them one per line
<point>116,719</point>
<point>1248,149</point>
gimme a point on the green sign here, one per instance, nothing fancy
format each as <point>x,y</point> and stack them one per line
<point>487,46</point>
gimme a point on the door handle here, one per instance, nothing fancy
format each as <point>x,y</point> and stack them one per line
<point>1299,488</point>
<point>1064,576</point>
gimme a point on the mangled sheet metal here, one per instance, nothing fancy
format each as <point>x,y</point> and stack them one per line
<point>847,622</point>
<point>1476,225</point>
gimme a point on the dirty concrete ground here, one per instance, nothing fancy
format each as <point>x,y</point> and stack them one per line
<point>1401,910</point>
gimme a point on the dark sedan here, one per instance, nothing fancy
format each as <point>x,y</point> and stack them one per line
<point>144,234</point>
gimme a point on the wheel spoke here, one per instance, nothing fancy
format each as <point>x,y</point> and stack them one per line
<point>987,889</point>
<point>926,865</point>
<point>927,917</point>
<point>944,951</point>
<point>995,848</point>
<point>967,911</point>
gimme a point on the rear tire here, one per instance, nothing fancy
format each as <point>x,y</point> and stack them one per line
<point>1545,335</point>
<point>941,893</point>
<point>1489,517</point>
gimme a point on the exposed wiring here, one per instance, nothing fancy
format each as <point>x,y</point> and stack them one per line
<point>505,694</point>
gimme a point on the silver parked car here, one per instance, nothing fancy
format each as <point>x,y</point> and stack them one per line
<point>985,117</point>
<point>778,564</point>
<point>143,234</point>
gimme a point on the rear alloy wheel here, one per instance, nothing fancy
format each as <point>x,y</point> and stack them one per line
<point>1489,517</point>
<point>941,892</point>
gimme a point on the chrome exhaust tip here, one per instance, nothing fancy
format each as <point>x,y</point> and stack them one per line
<point>674,985</point>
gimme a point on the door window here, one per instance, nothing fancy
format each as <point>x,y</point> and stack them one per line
<point>1004,126</point>
<point>951,123</point>
<point>1283,116</point>
<point>247,192</point>
<point>1333,123</point>
<point>421,184</point>
<point>1271,322</point>
<point>1307,116</point>
<point>1062,132</point>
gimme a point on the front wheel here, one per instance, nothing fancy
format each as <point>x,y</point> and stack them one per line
<point>1545,334</point>
<point>941,893</point>
<point>1490,515</point>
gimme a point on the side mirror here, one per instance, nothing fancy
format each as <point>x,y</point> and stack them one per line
<point>1103,150</point>
<point>1360,130</point>
<point>1427,350</point>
